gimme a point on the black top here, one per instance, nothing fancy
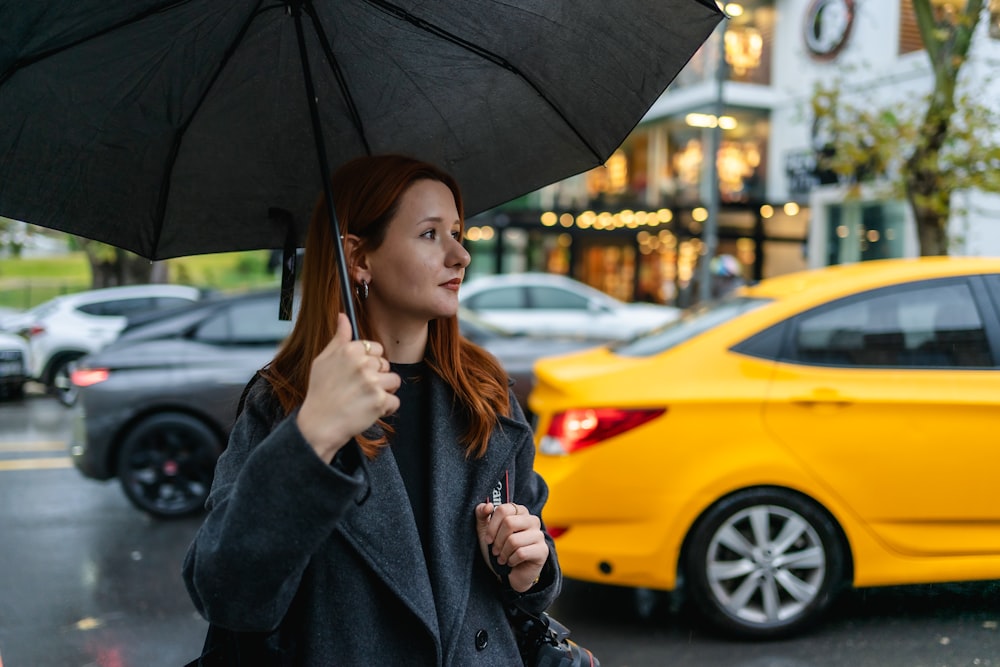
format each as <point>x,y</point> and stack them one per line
<point>409,443</point>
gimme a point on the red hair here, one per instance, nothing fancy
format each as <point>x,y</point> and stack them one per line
<point>367,192</point>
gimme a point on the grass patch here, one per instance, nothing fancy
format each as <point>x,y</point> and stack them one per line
<point>226,271</point>
<point>27,282</point>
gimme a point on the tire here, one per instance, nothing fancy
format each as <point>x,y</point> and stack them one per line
<point>12,391</point>
<point>166,464</point>
<point>59,378</point>
<point>764,563</point>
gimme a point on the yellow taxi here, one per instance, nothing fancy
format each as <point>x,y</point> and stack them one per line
<point>820,429</point>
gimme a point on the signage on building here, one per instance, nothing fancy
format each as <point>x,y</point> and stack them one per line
<point>828,25</point>
<point>800,167</point>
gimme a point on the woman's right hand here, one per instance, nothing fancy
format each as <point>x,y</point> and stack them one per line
<point>350,387</point>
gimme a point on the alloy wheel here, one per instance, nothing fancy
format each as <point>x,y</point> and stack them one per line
<point>765,563</point>
<point>166,465</point>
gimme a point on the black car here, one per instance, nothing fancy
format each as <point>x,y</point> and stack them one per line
<point>156,406</point>
<point>13,365</point>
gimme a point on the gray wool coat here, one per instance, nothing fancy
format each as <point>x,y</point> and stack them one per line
<point>332,555</point>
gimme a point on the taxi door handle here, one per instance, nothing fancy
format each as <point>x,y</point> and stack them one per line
<point>814,402</point>
<point>822,397</point>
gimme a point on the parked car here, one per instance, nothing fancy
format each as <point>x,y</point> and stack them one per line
<point>13,365</point>
<point>549,304</point>
<point>65,328</point>
<point>817,430</point>
<point>518,353</point>
<point>8,314</point>
<point>13,320</point>
<point>157,405</point>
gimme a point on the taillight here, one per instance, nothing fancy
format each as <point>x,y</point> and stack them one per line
<point>572,430</point>
<point>34,330</point>
<point>85,377</point>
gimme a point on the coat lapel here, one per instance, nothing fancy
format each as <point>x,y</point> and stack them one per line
<point>392,547</point>
<point>458,484</point>
<point>438,591</point>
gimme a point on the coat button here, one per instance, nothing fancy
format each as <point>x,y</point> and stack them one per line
<point>482,639</point>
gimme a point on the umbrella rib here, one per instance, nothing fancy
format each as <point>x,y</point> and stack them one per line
<point>345,91</point>
<point>20,64</point>
<point>161,207</point>
<point>400,13</point>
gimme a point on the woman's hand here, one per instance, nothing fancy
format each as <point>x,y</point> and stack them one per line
<point>350,387</point>
<point>517,540</point>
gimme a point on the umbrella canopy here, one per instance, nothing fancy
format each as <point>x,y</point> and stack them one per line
<point>171,128</point>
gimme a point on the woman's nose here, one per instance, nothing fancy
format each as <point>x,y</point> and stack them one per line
<point>459,255</point>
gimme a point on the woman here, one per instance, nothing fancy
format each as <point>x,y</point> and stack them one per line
<point>365,481</point>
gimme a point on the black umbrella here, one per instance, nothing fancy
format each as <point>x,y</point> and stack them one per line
<point>173,127</point>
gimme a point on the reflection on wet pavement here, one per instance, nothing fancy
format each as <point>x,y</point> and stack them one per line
<point>86,579</point>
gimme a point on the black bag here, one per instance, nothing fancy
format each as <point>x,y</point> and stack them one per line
<point>541,640</point>
<point>544,642</point>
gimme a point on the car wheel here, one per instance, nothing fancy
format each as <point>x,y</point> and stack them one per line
<point>764,563</point>
<point>166,464</point>
<point>60,382</point>
<point>13,392</point>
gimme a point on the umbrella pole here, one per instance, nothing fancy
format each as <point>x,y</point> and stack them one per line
<point>324,166</point>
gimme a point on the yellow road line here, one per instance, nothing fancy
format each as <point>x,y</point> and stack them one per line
<point>36,464</point>
<point>33,446</point>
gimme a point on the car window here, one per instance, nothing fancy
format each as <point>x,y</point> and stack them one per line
<point>501,298</point>
<point>555,298</point>
<point>249,323</point>
<point>118,307</point>
<point>165,302</point>
<point>694,322</point>
<point>44,310</point>
<point>935,325</point>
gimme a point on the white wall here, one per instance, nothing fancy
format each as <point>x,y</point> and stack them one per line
<point>872,70</point>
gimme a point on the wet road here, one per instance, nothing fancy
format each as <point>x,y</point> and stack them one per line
<point>86,580</point>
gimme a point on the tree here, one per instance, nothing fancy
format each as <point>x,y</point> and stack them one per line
<point>9,239</point>
<point>111,266</point>
<point>924,153</point>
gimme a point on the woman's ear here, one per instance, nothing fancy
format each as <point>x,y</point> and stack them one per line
<point>357,260</point>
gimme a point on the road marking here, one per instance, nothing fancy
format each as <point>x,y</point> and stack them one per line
<point>33,446</point>
<point>36,464</point>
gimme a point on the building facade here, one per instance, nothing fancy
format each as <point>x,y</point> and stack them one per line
<point>638,226</point>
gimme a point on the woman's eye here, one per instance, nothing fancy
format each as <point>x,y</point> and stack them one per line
<point>457,236</point>
<point>430,233</point>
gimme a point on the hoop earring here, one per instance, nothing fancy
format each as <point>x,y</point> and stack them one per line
<point>362,290</point>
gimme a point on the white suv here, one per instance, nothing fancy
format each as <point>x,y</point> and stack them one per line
<point>545,304</point>
<point>65,328</point>
<point>13,365</point>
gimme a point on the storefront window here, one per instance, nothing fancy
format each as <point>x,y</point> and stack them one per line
<point>861,231</point>
<point>740,161</point>
<point>909,34</point>
<point>749,39</point>
<point>610,267</point>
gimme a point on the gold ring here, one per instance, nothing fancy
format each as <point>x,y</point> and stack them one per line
<point>368,346</point>
<point>517,509</point>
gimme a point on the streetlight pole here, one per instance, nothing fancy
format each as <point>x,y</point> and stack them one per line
<point>710,232</point>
